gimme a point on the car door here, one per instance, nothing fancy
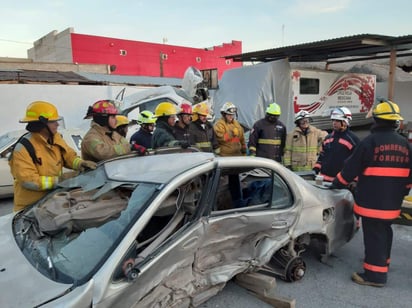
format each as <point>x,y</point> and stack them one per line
<point>163,270</point>
<point>194,257</point>
<point>247,225</point>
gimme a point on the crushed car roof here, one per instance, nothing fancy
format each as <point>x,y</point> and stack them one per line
<point>154,168</point>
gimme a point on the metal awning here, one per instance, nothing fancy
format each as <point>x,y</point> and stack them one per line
<point>345,49</point>
<point>353,48</point>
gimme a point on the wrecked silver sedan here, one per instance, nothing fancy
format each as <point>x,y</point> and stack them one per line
<point>166,231</point>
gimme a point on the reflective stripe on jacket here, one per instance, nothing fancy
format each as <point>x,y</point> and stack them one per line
<point>203,136</point>
<point>268,139</point>
<point>302,150</point>
<point>383,163</point>
<point>32,181</point>
<point>336,148</point>
<point>230,137</point>
<point>100,143</point>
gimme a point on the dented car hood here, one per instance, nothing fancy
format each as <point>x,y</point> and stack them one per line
<point>33,288</point>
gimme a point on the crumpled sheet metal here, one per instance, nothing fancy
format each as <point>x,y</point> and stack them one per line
<point>192,281</point>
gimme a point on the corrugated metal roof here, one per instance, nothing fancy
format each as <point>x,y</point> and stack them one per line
<point>362,46</point>
<point>34,76</point>
<point>31,76</point>
<point>133,80</point>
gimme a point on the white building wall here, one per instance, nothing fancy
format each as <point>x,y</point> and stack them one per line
<point>71,101</point>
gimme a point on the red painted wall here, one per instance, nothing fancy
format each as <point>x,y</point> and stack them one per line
<point>144,59</point>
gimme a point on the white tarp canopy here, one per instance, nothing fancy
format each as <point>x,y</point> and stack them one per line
<point>253,88</point>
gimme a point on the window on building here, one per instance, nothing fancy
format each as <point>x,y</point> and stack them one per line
<point>309,86</point>
<point>210,78</point>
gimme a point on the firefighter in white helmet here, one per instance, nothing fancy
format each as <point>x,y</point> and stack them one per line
<point>303,144</point>
<point>337,146</point>
<point>229,132</point>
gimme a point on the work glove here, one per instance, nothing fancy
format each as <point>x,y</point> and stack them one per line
<point>139,149</point>
<point>336,185</point>
<point>87,165</point>
<point>316,170</point>
<point>352,186</point>
<point>67,175</point>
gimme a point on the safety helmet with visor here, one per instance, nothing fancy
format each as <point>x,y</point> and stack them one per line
<point>301,115</point>
<point>41,111</point>
<point>229,108</point>
<point>341,114</point>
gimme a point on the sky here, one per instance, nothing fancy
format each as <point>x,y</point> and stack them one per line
<point>259,24</point>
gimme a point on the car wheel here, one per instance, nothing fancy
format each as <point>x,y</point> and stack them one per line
<point>295,269</point>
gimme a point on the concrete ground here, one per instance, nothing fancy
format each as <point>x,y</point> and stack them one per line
<point>329,285</point>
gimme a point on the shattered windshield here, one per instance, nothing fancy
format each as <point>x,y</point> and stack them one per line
<point>73,257</point>
<point>5,142</point>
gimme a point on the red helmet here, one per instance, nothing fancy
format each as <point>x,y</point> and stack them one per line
<point>185,108</point>
<point>103,107</point>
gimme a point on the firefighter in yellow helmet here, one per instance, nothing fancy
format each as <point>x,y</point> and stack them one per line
<point>201,131</point>
<point>122,125</point>
<point>39,156</point>
<point>382,162</point>
<point>164,136</point>
<point>229,132</point>
<point>268,135</point>
<point>102,141</point>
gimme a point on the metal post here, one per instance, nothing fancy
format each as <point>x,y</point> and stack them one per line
<point>391,79</point>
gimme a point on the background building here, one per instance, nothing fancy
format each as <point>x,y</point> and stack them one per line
<point>125,57</point>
